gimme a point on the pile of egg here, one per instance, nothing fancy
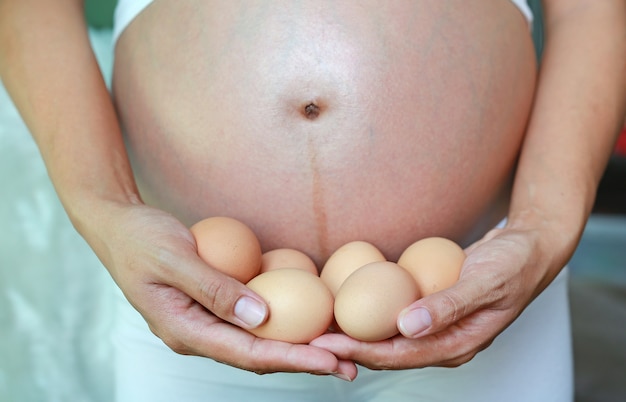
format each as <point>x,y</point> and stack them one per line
<point>358,289</point>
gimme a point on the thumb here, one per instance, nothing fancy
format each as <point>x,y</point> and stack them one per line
<point>440,310</point>
<point>221,294</point>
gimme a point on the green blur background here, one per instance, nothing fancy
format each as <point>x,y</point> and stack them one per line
<point>99,13</point>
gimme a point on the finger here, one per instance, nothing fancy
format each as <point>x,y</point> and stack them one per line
<point>346,370</point>
<point>188,328</point>
<point>442,309</point>
<point>219,293</point>
<point>231,345</point>
<point>390,354</point>
<point>450,348</point>
<point>465,358</point>
<point>349,349</point>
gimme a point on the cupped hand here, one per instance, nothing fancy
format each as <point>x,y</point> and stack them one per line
<point>502,274</point>
<point>193,308</point>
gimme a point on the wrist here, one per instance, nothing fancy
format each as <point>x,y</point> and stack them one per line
<point>556,236</point>
<point>91,206</point>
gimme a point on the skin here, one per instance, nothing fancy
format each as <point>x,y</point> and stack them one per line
<point>301,180</point>
<point>152,256</point>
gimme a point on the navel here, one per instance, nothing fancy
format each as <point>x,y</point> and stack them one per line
<point>311,110</point>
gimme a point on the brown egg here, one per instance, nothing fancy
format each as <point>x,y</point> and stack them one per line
<point>435,263</point>
<point>287,258</point>
<point>347,259</point>
<point>300,305</point>
<point>369,301</point>
<point>229,246</point>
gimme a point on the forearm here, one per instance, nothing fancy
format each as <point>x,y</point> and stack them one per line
<point>578,110</point>
<point>48,67</point>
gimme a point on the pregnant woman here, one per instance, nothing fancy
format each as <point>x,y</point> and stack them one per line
<point>319,123</point>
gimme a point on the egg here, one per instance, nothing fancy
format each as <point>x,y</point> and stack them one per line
<point>287,258</point>
<point>347,259</point>
<point>300,305</point>
<point>435,263</point>
<point>229,246</point>
<point>369,301</point>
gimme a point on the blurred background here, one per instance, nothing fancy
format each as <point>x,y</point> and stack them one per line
<point>55,297</point>
<point>55,310</point>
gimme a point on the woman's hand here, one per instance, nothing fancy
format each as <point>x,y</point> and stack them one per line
<point>502,274</point>
<point>193,308</point>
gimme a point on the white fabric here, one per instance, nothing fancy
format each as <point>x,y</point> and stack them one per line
<point>525,9</point>
<point>127,10</point>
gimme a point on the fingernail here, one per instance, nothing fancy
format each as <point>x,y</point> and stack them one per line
<point>342,377</point>
<point>414,322</point>
<point>250,311</point>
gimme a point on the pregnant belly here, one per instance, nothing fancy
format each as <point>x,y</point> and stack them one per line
<point>322,122</point>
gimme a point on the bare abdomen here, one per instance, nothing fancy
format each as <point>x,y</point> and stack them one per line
<point>318,123</point>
